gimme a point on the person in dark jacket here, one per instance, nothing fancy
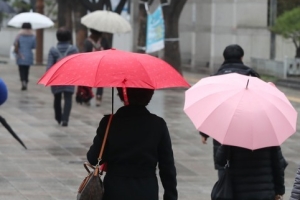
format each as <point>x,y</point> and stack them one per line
<point>138,142</point>
<point>233,63</point>
<point>24,44</point>
<point>62,49</point>
<point>255,175</point>
<point>296,189</point>
<point>96,42</point>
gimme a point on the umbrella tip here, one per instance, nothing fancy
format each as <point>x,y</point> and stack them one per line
<point>247,84</point>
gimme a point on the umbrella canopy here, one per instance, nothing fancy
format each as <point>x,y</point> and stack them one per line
<point>241,111</point>
<point>5,8</point>
<point>113,68</point>
<point>37,20</point>
<point>106,21</point>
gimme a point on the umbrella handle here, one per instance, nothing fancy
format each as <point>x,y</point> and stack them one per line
<point>112,99</point>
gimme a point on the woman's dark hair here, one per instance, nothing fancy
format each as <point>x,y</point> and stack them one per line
<point>233,52</point>
<point>63,35</point>
<point>26,25</point>
<point>95,32</point>
<point>137,96</point>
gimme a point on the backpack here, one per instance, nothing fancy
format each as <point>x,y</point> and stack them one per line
<point>60,55</point>
<point>84,94</point>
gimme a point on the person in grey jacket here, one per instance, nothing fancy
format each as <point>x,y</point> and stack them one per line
<point>24,43</point>
<point>63,49</point>
<point>296,189</point>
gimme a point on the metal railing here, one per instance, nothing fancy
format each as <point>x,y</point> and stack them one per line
<point>280,69</point>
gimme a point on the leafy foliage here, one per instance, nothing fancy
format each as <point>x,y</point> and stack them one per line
<point>286,5</point>
<point>288,25</point>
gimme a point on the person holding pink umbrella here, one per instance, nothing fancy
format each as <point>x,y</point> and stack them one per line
<point>295,195</point>
<point>233,63</point>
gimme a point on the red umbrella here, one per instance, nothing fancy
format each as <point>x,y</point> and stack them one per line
<point>113,68</point>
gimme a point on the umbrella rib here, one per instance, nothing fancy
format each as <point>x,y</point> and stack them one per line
<point>270,120</point>
<point>275,106</point>
<point>146,73</point>
<point>98,69</point>
<point>233,113</point>
<point>66,60</point>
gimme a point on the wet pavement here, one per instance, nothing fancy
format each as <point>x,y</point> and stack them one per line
<point>51,168</point>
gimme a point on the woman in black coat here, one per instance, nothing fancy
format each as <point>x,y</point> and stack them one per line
<point>137,143</point>
<point>256,175</point>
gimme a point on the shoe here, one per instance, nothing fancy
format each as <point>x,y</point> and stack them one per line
<point>87,103</point>
<point>24,86</point>
<point>64,123</point>
<point>98,100</point>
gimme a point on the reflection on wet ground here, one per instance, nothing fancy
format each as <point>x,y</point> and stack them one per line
<point>52,168</point>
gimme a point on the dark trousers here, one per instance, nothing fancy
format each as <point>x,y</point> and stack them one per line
<point>59,114</point>
<point>99,91</point>
<point>24,72</point>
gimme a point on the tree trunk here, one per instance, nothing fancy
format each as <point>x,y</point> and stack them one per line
<point>39,35</point>
<point>297,52</point>
<point>93,6</point>
<point>172,48</point>
<point>62,7</point>
<point>143,28</point>
<point>81,30</point>
<point>118,10</point>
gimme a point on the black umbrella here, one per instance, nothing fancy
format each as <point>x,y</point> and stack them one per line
<point>6,8</point>
<point>5,124</point>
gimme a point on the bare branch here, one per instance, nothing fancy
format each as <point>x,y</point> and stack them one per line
<point>120,6</point>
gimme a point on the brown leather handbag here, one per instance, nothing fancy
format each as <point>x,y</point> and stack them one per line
<point>92,187</point>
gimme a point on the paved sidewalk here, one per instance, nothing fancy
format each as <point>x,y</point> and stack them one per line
<point>51,168</point>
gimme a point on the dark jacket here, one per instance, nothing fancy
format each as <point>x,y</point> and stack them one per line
<point>296,189</point>
<point>256,175</point>
<point>138,142</point>
<point>64,48</point>
<point>230,66</point>
<point>88,45</point>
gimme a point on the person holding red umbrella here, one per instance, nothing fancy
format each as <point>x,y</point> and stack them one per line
<point>138,142</point>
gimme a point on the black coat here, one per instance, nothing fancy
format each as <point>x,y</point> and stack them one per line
<point>256,175</point>
<point>231,66</point>
<point>138,142</point>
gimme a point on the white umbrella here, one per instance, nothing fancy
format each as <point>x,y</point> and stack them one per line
<point>37,20</point>
<point>106,21</point>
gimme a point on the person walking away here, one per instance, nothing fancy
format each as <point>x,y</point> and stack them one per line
<point>61,50</point>
<point>233,63</point>
<point>255,174</point>
<point>137,142</point>
<point>295,195</point>
<point>96,42</point>
<point>23,45</point>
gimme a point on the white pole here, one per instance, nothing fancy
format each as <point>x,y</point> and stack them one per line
<point>234,23</point>
<point>212,36</point>
<point>193,40</point>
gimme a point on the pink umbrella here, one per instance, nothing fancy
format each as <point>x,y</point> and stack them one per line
<point>241,111</point>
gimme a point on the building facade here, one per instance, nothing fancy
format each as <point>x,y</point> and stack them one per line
<point>208,26</point>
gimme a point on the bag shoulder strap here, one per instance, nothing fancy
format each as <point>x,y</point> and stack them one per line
<point>59,53</point>
<point>65,53</point>
<point>105,137</point>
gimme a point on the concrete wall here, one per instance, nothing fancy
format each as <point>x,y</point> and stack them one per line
<point>239,21</point>
<point>208,26</point>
